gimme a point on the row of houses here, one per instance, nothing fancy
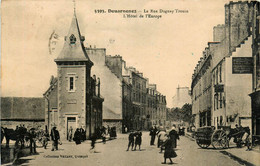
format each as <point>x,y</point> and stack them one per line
<point>225,82</point>
<point>130,100</point>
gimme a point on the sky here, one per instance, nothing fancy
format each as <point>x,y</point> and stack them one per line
<point>166,50</point>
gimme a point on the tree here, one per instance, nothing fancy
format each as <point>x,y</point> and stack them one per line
<point>184,113</point>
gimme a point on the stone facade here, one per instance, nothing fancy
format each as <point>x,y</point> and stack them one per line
<point>201,88</point>
<point>73,99</point>
<point>228,90</point>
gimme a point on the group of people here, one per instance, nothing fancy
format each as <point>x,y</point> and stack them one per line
<point>79,135</point>
<point>134,139</point>
<point>166,141</point>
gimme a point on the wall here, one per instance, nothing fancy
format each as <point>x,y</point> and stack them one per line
<point>238,86</point>
<point>237,19</point>
<point>111,85</point>
<point>28,124</point>
<point>114,63</point>
<point>72,103</point>
<point>219,33</point>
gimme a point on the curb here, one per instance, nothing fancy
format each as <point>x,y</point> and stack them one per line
<point>241,161</point>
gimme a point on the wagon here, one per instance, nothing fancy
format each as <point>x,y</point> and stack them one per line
<point>219,138</point>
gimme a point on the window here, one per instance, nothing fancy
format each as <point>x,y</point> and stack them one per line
<point>72,39</point>
<point>220,73</point>
<point>220,100</point>
<point>214,78</point>
<point>217,76</point>
<point>71,83</point>
<point>216,101</point>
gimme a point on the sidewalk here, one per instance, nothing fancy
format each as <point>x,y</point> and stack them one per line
<point>239,154</point>
<point>190,135</point>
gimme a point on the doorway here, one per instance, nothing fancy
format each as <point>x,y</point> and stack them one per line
<point>71,123</point>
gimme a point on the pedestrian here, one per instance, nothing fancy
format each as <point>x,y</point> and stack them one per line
<point>246,138</point>
<point>81,130</point>
<point>93,140</point>
<point>138,139</point>
<point>103,135</point>
<point>131,140</point>
<point>162,137</point>
<point>77,136</point>
<point>32,137</point>
<point>84,135</point>
<point>70,133</point>
<point>169,151</point>
<point>55,137</point>
<point>45,139</point>
<point>174,136</point>
<point>153,132</point>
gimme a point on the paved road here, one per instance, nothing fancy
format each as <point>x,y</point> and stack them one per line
<point>114,153</point>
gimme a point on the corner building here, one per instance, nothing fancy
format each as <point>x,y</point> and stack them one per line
<point>73,99</point>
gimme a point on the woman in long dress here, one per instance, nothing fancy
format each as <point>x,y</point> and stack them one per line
<point>169,151</point>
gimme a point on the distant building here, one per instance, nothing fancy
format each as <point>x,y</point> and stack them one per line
<point>27,111</point>
<point>73,98</point>
<point>181,97</point>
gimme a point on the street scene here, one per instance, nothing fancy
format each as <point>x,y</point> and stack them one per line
<point>114,153</point>
<point>130,83</point>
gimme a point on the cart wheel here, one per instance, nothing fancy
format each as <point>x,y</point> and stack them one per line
<point>219,139</point>
<point>202,145</point>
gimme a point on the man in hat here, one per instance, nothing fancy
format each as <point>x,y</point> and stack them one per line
<point>55,137</point>
<point>153,132</point>
<point>32,136</point>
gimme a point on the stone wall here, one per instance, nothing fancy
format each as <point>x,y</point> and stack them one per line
<point>28,124</point>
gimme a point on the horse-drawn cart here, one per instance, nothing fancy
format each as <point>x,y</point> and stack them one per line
<point>219,139</point>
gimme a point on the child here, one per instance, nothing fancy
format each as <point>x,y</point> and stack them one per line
<point>138,139</point>
<point>131,140</point>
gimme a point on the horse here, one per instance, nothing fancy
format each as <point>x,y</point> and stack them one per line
<point>237,134</point>
<point>17,135</point>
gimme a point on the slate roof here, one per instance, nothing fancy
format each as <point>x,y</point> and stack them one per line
<point>73,51</point>
<point>25,108</point>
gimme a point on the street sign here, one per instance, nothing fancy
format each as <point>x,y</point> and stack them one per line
<point>242,65</point>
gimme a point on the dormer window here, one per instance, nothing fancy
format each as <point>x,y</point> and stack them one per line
<point>72,39</point>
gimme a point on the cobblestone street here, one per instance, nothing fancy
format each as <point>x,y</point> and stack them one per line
<point>114,153</point>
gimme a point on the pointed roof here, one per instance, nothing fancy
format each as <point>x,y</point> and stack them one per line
<point>73,49</point>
